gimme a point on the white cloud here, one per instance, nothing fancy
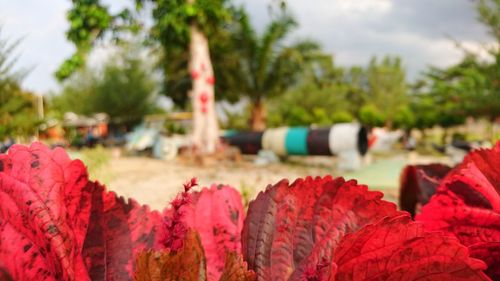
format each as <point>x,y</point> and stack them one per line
<point>362,7</point>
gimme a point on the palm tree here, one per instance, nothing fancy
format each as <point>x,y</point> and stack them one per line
<point>268,66</point>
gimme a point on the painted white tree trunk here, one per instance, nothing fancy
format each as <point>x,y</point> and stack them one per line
<point>205,127</point>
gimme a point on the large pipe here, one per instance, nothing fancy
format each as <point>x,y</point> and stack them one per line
<point>283,141</point>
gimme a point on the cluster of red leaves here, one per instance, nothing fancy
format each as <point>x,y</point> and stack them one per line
<point>332,229</point>
<point>216,214</point>
<point>467,206</point>
<point>55,224</point>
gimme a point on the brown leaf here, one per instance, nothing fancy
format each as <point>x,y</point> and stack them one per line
<point>187,264</point>
<point>235,269</point>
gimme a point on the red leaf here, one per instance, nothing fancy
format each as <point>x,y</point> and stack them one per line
<point>398,249</point>
<point>418,183</point>
<point>489,253</point>
<point>118,230</point>
<point>216,213</point>
<point>488,162</point>
<point>467,203</point>
<point>293,229</point>
<point>44,214</point>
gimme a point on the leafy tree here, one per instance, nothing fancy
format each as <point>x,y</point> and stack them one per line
<point>124,89</point>
<point>404,118</point>
<point>89,20</point>
<point>310,104</point>
<point>371,116</point>
<point>489,15</point>
<point>387,87</point>
<point>268,66</point>
<point>179,26</point>
<point>468,88</point>
<point>357,86</point>
<point>18,114</point>
<point>425,110</point>
<point>377,95</point>
<point>456,91</point>
<point>490,100</point>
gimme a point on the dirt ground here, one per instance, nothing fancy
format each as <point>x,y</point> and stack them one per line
<point>156,182</point>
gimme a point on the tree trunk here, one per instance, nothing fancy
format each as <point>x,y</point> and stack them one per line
<point>205,127</point>
<point>258,117</point>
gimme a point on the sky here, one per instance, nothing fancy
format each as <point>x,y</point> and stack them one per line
<point>421,32</point>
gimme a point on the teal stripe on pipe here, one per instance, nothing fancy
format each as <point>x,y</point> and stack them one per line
<point>296,141</point>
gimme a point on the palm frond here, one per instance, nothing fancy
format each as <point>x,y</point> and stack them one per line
<point>275,33</point>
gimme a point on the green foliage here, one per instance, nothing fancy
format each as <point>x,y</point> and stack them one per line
<point>404,118</point>
<point>9,78</point>
<point>264,66</point>
<point>371,116</point>
<point>468,88</point>
<point>489,14</point>
<point>426,115</point>
<point>124,89</point>
<point>69,66</point>
<point>268,66</point>
<point>18,114</point>
<point>341,117</point>
<point>236,120</point>
<point>453,93</point>
<point>89,21</point>
<point>310,104</point>
<point>173,19</point>
<point>173,127</point>
<point>377,95</point>
<point>387,86</point>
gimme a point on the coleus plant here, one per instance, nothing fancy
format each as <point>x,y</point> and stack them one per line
<point>467,206</point>
<point>55,224</point>
<point>332,229</point>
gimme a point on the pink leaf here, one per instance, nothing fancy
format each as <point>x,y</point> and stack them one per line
<point>216,213</point>
<point>44,214</point>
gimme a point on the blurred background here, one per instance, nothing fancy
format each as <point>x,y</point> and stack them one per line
<point>150,93</point>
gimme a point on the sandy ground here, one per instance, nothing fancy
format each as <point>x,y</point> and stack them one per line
<point>156,182</point>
